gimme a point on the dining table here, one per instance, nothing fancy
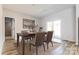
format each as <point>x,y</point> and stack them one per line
<point>31,34</point>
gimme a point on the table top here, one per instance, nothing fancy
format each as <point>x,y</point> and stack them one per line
<point>26,34</point>
<point>30,33</point>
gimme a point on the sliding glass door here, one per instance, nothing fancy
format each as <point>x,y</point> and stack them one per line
<point>57,29</point>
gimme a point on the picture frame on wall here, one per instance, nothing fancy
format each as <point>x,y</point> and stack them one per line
<point>27,23</point>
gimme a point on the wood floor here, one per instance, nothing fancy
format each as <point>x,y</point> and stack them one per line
<point>64,48</point>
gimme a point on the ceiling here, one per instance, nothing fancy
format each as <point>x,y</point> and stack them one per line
<point>37,10</point>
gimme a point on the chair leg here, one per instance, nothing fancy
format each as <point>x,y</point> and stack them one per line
<point>30,47</point>
<point>27,40</point>
<point>36,50</point>
<point>47,46</point>
<point>44,47</point>
<point>52,43</point>
<point>30,39</point>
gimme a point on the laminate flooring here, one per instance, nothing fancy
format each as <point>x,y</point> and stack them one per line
<point>64,48</point>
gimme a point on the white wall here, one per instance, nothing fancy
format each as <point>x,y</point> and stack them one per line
<point>77,16</point>
<point>67,18</point>
<point>18,19</point>
<point>1,29</point>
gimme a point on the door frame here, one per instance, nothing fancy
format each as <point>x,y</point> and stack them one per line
<point>13,20</point>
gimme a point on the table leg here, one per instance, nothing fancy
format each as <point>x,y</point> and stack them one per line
<point>23,50</point>
<point>17,40</point>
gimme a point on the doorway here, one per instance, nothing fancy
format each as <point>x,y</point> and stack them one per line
<point>9,28</point>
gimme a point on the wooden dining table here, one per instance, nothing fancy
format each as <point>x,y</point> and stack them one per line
<point>23,40</point>
<point>31,34</point>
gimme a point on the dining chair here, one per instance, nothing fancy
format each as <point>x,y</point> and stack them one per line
<point>25,33</point>
<point>48,38</point>
<point>38,41</point>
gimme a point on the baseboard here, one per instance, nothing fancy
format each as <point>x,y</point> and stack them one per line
<point>69,40</point>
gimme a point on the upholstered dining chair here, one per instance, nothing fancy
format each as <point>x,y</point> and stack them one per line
<point>48,38</point>
<point>26,33</point>
<point>38,41</point>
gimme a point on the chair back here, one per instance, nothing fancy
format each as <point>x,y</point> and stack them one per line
<point>24,32</point>
<point>49,36</point>
<point>39,38</point>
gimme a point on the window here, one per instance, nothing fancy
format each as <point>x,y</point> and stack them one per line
<point>49,26</point>
<point>57,28</point>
